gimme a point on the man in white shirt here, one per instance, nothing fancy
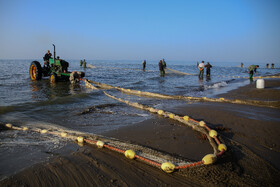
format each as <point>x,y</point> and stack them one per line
<point>201,69</point>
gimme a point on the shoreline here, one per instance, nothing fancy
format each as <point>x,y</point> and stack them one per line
<point>251,134</point>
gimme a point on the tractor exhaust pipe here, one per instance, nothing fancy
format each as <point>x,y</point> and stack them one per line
<point>53,53</point>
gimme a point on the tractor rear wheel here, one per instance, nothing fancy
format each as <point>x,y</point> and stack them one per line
<point>53,78</point>
<point>35,71</point>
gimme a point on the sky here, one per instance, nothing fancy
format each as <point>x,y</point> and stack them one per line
<point>188,30</point>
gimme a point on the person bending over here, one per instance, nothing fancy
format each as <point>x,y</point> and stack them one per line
<point>252,69</point>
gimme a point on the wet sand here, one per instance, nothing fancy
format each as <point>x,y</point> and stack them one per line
<point>251,134</point>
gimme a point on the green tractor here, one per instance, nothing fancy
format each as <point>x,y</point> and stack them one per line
<point>56,69</point>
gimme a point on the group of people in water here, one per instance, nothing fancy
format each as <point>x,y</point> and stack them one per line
<point>83,63</point>
<point>162,66</point>
<point>272,66</point>
<point>252,69</point>
<point>201,66</point>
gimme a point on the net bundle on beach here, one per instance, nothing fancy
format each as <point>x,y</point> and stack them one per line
<point>155,157</point>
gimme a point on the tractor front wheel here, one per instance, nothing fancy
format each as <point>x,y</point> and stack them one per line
<point>35,71</point>
<point>53,78</point>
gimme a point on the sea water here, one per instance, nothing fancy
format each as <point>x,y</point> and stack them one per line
<point>75,107</point>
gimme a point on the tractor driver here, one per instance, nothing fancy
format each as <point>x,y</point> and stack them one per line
<point>46,58</point>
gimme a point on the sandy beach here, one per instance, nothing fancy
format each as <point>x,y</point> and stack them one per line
<point>251,134</point>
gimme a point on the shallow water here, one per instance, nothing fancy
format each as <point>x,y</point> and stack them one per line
<point>26,102</point>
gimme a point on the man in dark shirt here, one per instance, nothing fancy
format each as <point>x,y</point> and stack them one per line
<point>47,57</point>
<point>164,63</point>
<point>144,65</point>
<point>208,67</point>
<point>161,68</point>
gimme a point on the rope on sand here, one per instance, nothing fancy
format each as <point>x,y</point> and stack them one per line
<point>155,158</point>
<point>272,104</point>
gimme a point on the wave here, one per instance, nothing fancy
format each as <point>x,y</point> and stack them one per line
<point>216,85</point>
